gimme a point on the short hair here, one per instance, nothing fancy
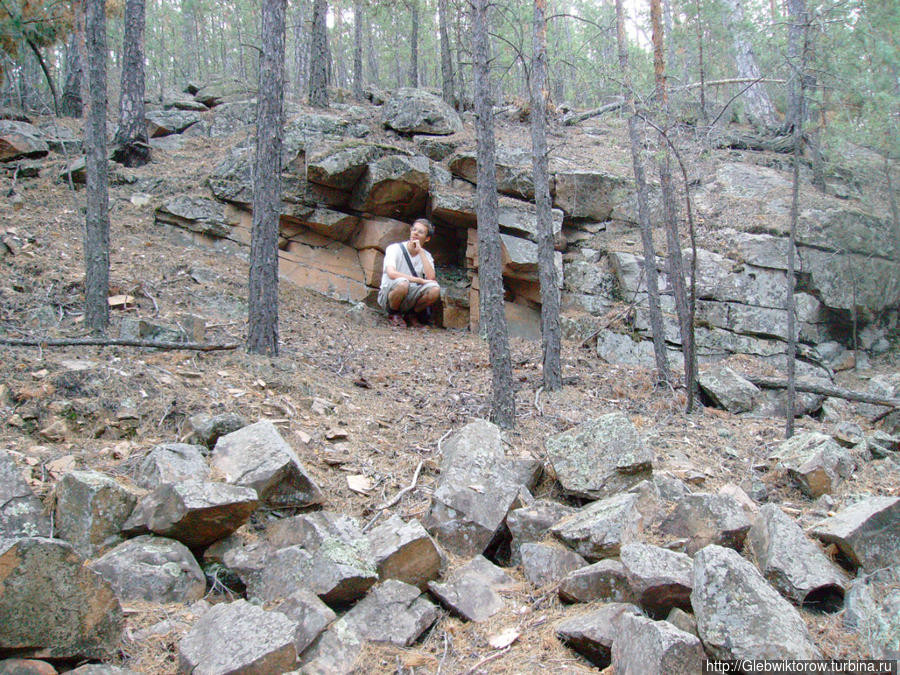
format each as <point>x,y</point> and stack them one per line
<point>426,223</point>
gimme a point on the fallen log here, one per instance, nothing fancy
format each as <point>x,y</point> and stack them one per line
<point>108,342</point>
<point>575,118</point>
<point>824,390</point>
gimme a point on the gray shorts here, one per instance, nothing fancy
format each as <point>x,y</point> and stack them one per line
<point>412,297</point>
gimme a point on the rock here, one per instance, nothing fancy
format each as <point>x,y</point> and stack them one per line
<point>100,669</point>
<point>20,139</point>
<point>416,111</point>
<point>848,434</point>
<point>593,634</point>
<point>196,214</point>
<point>530,523</point>
<point>335,225</point>
<point>589,195</point>
<point>646,647</point>
<point>233,117</point>
<point>740,616</point>
<point>61,139</point>
<point>52,606</point>
<point>473,590</point>
<point>341,166</point>
<point>683,621</point>
<point>394,186</point>
<point>196,513</point>
<point>311,615</point>
<point>152,569</point>
<point>604,581</point>
<point>815,461</point>
<point>515,175</point>
<point>704,518</point>
<point>867,533</point>
<point>728,390</point>
<point>379,233</point>
<point>599,529</point>
<point>600,457</point>
<point>545,564</point>
<point>660,579</point>
<point>520,259</point>
<point>220,91</point>
<point>793,564</point>
<point>881,444</point>
<point>308,127</point>
<point>435,149</point>
<point>872,608</point>
<point>238,554</point>
<point>257,456</point>
<point>237,637</point>
<point>172,463</point>
<point>405,551</point>
<point>21,513</point>
<point>166,122</point>
<point>90,511</point>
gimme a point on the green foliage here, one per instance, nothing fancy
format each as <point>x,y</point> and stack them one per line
<point>41,22</point>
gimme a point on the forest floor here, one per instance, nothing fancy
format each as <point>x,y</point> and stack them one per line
<point>352,395</point>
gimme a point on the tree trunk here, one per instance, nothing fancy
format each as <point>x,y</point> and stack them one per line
<point>96,231</point>
<point>550,332</point>
<point>759,109</point>
<point>72,103</point>
<point>650,275</point>
<point>448,86</point>
<point>795,9</point>
<point>702,68</point>
<point>374,76</point>
<point>189,39</point>
<point>318,56</point>
<point>301,52</point>
<point>357,50</point>
<point>461,74</point>
<point>131,141</point>
<point>414,44</point>
<point>262,335</point>
<point>47,76</point>
<point>492,316</point>
<point>892,200</point>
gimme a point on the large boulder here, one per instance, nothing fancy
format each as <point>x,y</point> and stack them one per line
<point>588,195</point>
<point>815,461</point>
<point>196,214</point>
<point>172,463</point>
<point>416,111</point>
<point>727,389</point>
<point>660,579</point>
<point>91,509</point>
<point>405,551</point>
<point>545,564</point>
<point>166,122</point>
<point>867,533</point>
<point>515,173</point>
<point>20,139</point>
<point>703,518</point>
<point>21,512</point>
<point>600,529</point>
<point>646,647</point>
<point>605,581</point>
<point>52,606</point>
<point>594,634</point>
<point>394,186</point>
<point>220,91</point>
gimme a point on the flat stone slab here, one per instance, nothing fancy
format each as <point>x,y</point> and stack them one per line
<point>240,638</point>
<point>52,606</point>
<point>867,532</point>
<point>740,616</point>
<point>473,590</point>
<point>604,580</point>
<point>196,214</point>
<point>593,634</point>
<point>599,529</point>
<point>152,569</point>
<point>660,579</point>
<point>600,458</point>
<point>21,512</point>
<point>257,456</point>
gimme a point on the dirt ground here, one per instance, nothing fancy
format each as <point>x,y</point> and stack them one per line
<point>352,395</point>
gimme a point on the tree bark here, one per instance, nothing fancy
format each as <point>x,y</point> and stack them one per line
<point>448,85</point>
<point>96,231</point>
<point>357,50</point>
<point>72,104</point>
<point>492,316</point>
<point>301,51</point>
<point>760,110</point>
<point>823,390</point>
<point>374,75</point>
<point>414,44</point>
<point>47,76</point>
<point>318,56</point>
<point>262,335</point>
<point>550,332</point>
<point>131,141</point>
<point>650,274</point>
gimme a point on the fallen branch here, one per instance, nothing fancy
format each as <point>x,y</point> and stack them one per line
<point>734,80</point>
<point>823,390</point>
<point>107,342</point>
<point>575,118</point>
<point>411,486</point>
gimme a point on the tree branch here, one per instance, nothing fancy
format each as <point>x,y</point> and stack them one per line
<point>824,390</point>
<point>105,342</point>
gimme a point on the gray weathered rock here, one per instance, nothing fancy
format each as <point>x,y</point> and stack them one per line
<point>206,429</point>
<point>515,176</point>
<point>589,195</point>
<point>197,214</point>
<point>394,186</point>
<point>313,530</point>
<point>257,456</point>
<point>309,612</point>
<point>683,621</point>
<point>792,563</point>
<point>239,554</point>
<point>416,111</point>
<point>531,523</point>
<point>520,259</point>
<point>152,569</point>
<point>472,590</point>
<point>341,166</point>
<point>307,127</point>
<point>593,634</point>
<point>52,606</point>
<point>219,91</point>
<point>172,463</point>
<point>546,563</point>
<point>872,608</point>
<point>20,139</point>
<point>740,616</point>
<point>196,513</point>
<point>867,532</point>
<point>90,510</point>
<point>660,579</point>
<point>882,444</point>
<point>435,149</point>
<point>604,581</point>
<point>600,457</point>
<point>166,122</point>
<point>26,667</point>
<point>646,647</point>
<point>599,529</point>
<point>235,638</point>
<point>727,389</point>
<point>233,117</point>
<point>405,551</point>
<point>704,518</point>
<point>815,461</point>
<point>21,512</point>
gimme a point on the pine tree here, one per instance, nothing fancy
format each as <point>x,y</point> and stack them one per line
<point>131,141</point>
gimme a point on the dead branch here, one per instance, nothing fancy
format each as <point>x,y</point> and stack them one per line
<point>575,118</point>
<point>411,486</point>
<point>107,342</point>
<point>736,80</point>
<point>823,390</point>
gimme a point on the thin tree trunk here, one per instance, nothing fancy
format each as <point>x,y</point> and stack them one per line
<point>72,104</point>
<point>701,65</point>
<point>492,316</point>
<point>96,231</point>
<point>131,141</point>
<point>46,70</point>
<point>795,9</point>
<point>357,50</point>
<point>189,39</point>
<point>459,62</point>
<point>650,274</point>
<point>262,336</point>
<point>374,76</point>
<point>448,85</point>
<point>414,44</point>
<point>318,56</point>
<point>895,211</point>
<point>760,110</point>
<point>301,52</point>
<point>550,332</point>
